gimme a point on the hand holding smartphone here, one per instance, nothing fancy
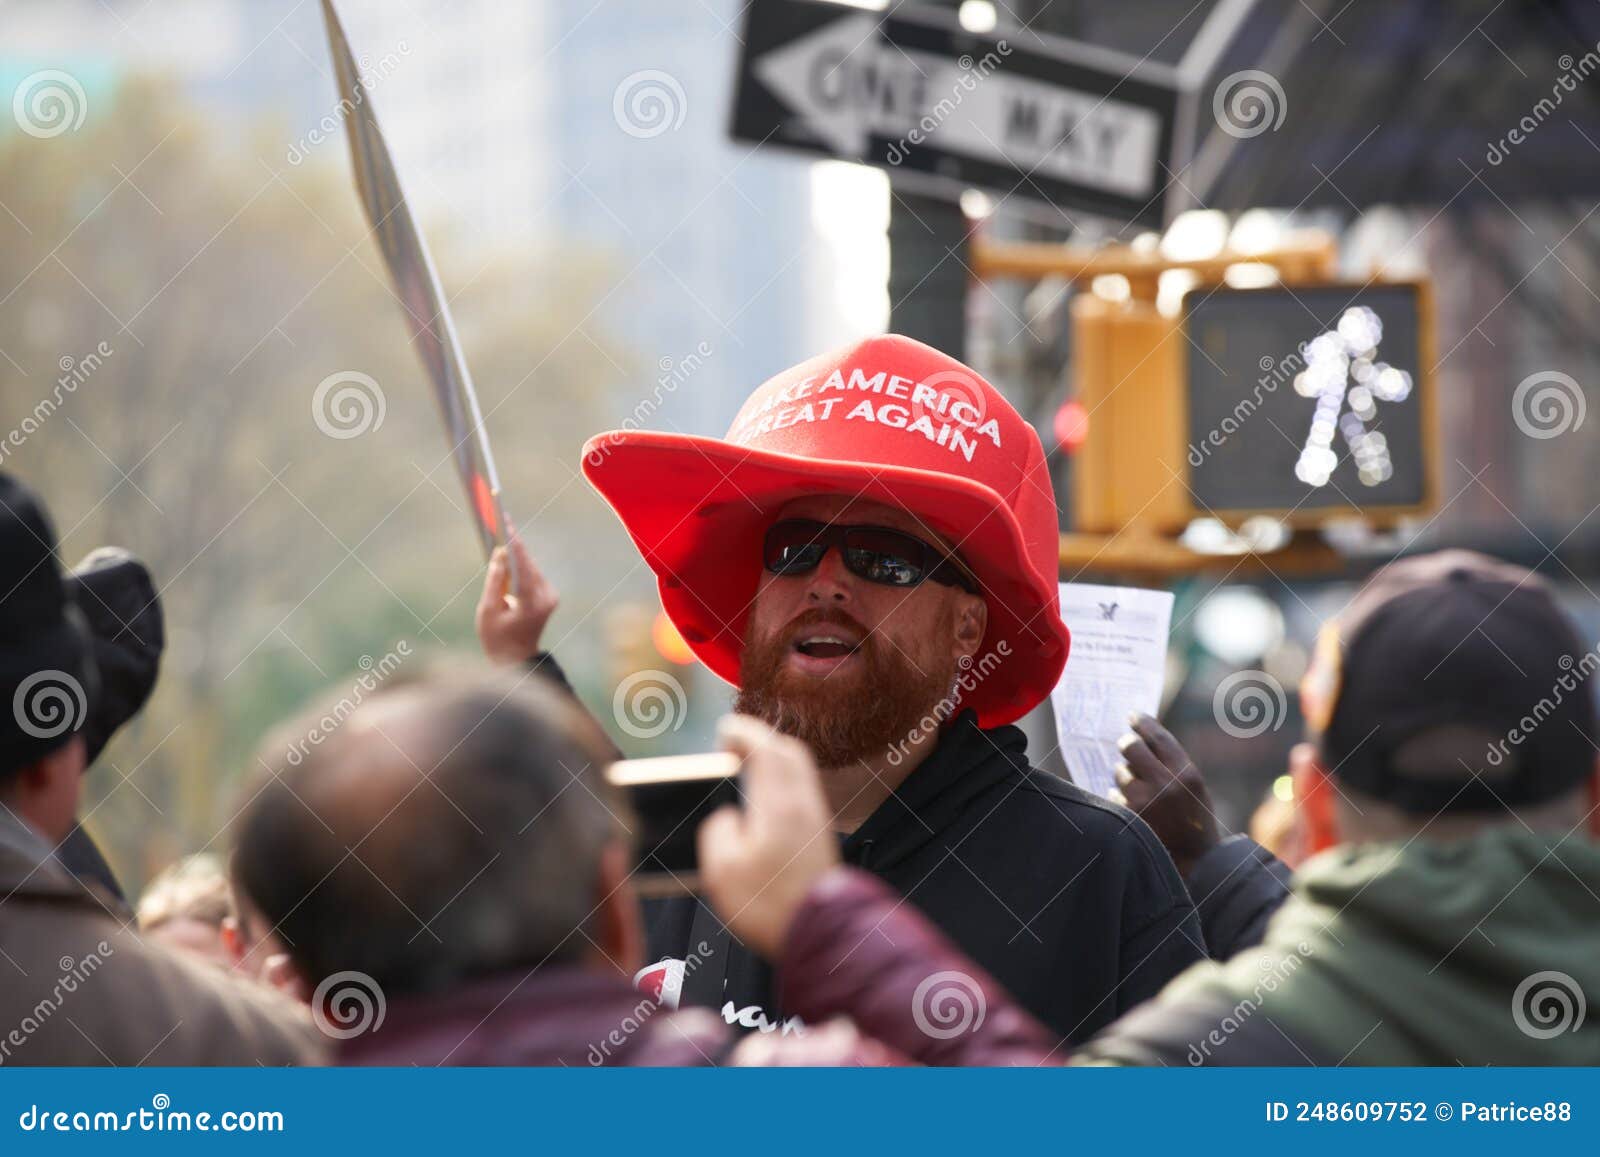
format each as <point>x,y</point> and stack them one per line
<point>670,796</point>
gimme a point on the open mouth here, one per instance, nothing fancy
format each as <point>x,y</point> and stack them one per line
<point>826,646</point>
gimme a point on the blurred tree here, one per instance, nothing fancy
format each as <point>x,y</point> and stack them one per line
<point>171,297</point>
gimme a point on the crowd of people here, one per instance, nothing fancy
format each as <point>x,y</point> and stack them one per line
<point>449,876</point>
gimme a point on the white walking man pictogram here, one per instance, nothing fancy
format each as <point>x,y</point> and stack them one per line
<point>1342,367</point>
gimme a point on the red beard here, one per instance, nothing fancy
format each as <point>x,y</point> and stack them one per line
<point>856,713</point>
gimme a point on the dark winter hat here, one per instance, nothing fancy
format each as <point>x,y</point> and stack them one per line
<point>120,604</point>
<point>46,677</point>
<point>1454,682</point>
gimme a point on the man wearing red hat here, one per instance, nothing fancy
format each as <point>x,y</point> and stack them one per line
<point>870,558</point>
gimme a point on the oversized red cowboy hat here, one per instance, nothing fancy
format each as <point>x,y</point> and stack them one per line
<point>890,420</point>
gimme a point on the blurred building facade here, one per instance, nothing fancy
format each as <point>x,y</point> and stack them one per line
<point>463,89</point>
<point>713,242</point>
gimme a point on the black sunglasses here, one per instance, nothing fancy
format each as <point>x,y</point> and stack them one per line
<point>797,546</point>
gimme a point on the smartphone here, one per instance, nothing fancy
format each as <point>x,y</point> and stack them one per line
<point>669,796</point>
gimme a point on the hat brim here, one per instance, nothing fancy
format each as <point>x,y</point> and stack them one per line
<point>695,508</point>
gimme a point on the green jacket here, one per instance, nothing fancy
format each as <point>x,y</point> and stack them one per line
<point>1480,951</point>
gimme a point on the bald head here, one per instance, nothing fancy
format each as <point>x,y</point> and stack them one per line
<point>447,828</point>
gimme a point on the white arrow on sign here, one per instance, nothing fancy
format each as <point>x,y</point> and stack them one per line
<point>847,85</point>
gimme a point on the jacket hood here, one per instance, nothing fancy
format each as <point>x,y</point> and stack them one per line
<point>1479,951</point>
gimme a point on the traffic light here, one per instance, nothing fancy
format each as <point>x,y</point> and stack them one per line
<point>1308,401</point>
<point>669,644</point>
<point>1298,403</point>
<point>1303,400</point>
<point>1070,425</point>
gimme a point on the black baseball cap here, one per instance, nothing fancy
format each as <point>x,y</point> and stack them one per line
<point>1454,682</point>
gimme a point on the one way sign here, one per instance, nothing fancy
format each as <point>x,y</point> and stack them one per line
<point>1072,125</point>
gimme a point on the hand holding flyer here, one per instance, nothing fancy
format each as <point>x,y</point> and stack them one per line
<point>1119,650</point>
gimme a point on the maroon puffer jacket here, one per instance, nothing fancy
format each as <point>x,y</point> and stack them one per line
<point>855,950</point>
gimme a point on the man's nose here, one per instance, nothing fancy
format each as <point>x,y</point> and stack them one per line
<point>830,582</point>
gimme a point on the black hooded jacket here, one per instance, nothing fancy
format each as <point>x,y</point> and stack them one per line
<point>1069,901</point>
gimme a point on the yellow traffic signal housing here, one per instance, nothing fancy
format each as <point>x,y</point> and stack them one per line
<point>1128,368</point>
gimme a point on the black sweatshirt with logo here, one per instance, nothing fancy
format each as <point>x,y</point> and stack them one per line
<point>1069,901</point>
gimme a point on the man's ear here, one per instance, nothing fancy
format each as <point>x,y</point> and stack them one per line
<point>233,940</point>
<point>972,620</point>
<point>45,793</point>
<point>280,972</point>
<point>618,928</point>
<point>1313,799</point>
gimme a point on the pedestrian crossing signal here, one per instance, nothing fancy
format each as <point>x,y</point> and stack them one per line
<point>1300,403</point>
